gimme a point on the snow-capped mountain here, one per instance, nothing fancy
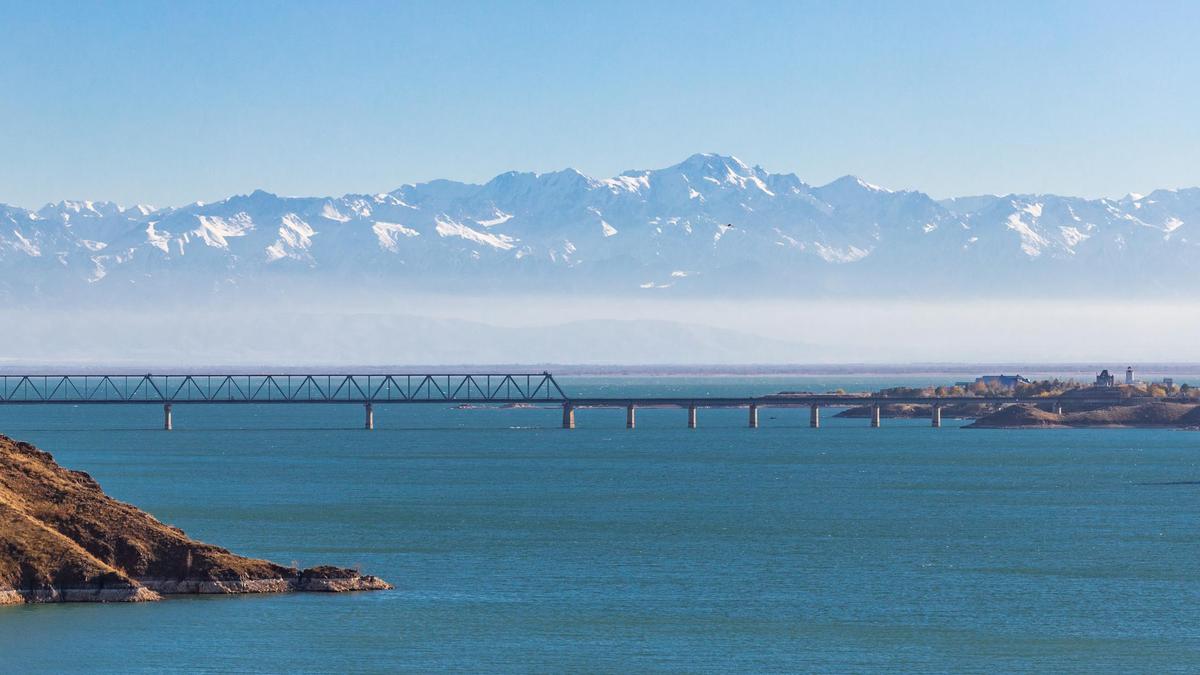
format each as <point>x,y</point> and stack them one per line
<point>711,224</point>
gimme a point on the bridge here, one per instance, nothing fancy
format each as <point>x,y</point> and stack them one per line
<point>367,390</point>
<point>444,388</point>
<point>814,402</point>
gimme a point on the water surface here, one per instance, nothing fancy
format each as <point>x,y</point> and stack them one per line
<point>515,545</point>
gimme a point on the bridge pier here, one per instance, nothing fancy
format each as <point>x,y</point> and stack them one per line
<point>753,416</point>
<point>936,416</point>
<point>814,416</point>
<point>692,416</point>
<point>568,416</point>
<point>167,423</point>
<point>875,416</point>
<point>369,423</point>
<point>630,416</point>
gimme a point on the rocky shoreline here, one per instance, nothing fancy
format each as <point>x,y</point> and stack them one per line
<point>23,596</point>
<point>63,540</point>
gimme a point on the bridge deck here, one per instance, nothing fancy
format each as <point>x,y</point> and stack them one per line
<point>523,389</point>
<point>830,400</point>
<point>461,388</point>
<point>274,388</point>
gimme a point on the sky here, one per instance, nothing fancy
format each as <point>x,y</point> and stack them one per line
<point>171,102</point>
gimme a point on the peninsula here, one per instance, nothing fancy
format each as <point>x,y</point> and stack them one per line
<point>1047,403</point>
<point>63,540</point>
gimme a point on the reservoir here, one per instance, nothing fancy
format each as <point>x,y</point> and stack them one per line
<point>515,545</point>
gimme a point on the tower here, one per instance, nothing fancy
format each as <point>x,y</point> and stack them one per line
<point>1129,375</point>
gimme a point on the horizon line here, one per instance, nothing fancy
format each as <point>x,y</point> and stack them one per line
<point>1135,196</point>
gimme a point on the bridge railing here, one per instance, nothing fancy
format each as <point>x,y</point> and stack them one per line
<point>293,388</point>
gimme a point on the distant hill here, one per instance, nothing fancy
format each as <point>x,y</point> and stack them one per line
<point>709,225</point>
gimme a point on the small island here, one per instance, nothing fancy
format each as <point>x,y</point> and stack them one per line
<point>63,540</point>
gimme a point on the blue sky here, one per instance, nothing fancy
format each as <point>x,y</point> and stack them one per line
<point>169,102</point>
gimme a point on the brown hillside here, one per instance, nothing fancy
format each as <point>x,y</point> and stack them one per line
<point>63,539</point>
<point>1023,415</point>
<point>1190,419</point>
<point>1152,414</point>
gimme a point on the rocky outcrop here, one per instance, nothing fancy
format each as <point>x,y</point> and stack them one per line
<point>63,540</point>
<point>1154,414</point>
<point>1017,416</point>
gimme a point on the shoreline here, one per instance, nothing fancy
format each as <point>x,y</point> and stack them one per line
<point>62,539</point>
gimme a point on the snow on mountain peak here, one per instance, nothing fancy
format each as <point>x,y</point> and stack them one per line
<point>628,182</point>
<point>295,237</point>
<point>331,212</point>
<point>389,234</point>
<point>216,231</point>
<point>849,182</point>
<point>727,224</point>
<point>446,227</point>
<point>720,168</point>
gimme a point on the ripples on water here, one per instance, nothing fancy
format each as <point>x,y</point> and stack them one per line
<point>515,545</point>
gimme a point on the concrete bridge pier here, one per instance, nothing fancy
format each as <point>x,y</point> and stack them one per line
<point>753,416</point>
<point>936,417</point>
<point>369,422</point>
<point>167,424</point>
<point>568,416</point>
<point>692,416</point>
<point>814,416</point>
<point>875,416</point>
<point>630,416</point>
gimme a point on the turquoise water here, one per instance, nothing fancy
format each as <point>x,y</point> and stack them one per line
<point>517,546</point>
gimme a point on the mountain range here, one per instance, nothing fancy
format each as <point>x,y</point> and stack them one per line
<point>709,225</point>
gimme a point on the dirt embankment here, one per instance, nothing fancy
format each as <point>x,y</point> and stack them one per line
<point>1155,414</point>
<point>63,540</point>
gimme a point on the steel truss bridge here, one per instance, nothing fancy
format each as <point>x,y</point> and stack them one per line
<point>374,388</point>
<point>444,388</point>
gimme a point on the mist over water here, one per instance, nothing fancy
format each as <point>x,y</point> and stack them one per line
<point>382,328</point>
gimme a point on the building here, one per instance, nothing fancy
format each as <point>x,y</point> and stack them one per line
<point>1129,375</point>
<point>1105,379</point>
<point>1001,381</point>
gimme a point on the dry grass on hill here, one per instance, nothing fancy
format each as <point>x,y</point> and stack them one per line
<point>62,538</point>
